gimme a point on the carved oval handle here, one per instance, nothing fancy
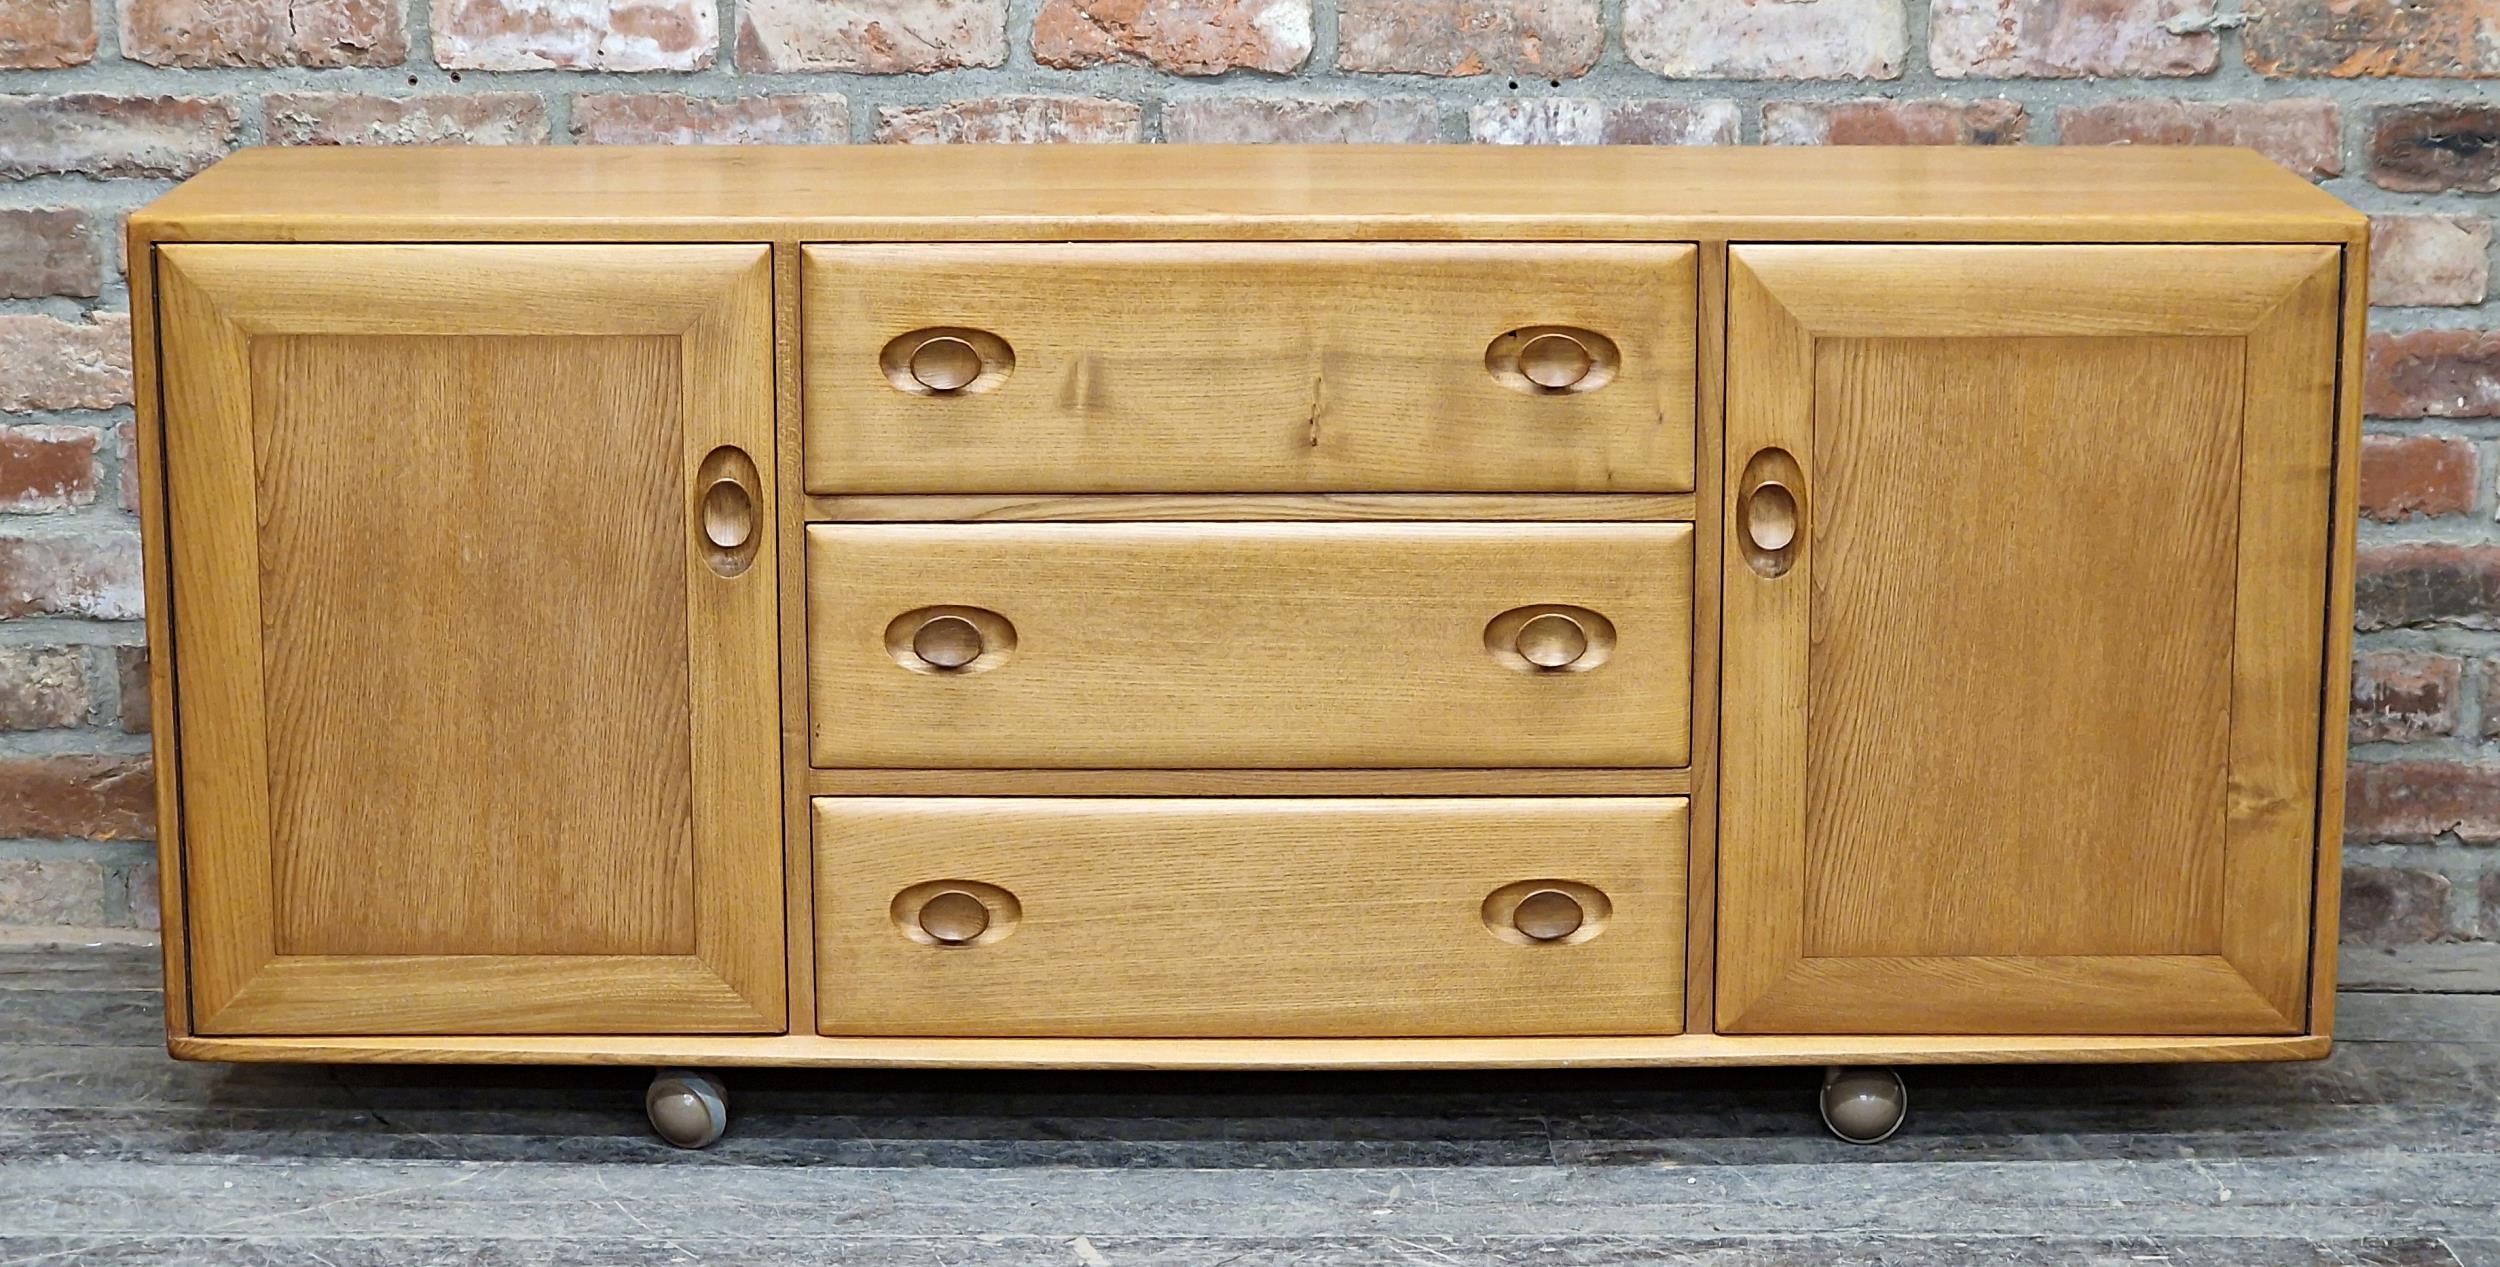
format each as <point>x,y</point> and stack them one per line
<point>949,640</point>
<point>944,364</point>
<point>1548,915</point>
<point>1770,512</point>
<point>728,510</point>
<point>949,913</point>
<point>1555,360</point>
<point>946,361</point>
<point>1550,638</point>
<point>954,917</point>
<point>1552,360</point>
<point>1547,912</point>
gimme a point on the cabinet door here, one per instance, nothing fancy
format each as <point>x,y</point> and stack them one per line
<point>473,575</point>
<point>2025,608</point>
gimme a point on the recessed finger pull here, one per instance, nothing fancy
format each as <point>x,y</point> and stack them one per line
<point>950,641</point>
<point>949,913</point>
<point>1770,512</point>
<point>1552,360</point>
<point>1547,912</point>
<point>1550,638</point>
<point>728,510</point>
<point>946,361</point>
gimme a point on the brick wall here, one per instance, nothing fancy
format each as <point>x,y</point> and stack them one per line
<point>2393,104</point>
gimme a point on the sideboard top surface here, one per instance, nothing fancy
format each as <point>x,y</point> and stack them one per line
<point>1042,193</point>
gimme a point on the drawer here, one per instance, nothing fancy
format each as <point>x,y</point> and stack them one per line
<point>1249,646</point>
<point>1253,367</point>
<point>1250,918</point>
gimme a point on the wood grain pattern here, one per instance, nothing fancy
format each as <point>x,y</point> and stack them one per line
<point>381,832</point>
<point>1251,918</point>
<point>1071,193</point>
<point>1248,507</point>
<point>1490,781</point>
<point>1249,645</point>
<point>1153,368</point>
<point>1662,1051</point>
<point>2102,838</point>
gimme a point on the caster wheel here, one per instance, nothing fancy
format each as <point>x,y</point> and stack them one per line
<point>687,1108</point>
<point>1864,1106</point>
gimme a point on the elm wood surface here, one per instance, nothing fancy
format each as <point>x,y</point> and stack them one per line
<point>2107,823</point>
<point>1249,645</point>
<point>1250,367</point>
<point>393,822</point>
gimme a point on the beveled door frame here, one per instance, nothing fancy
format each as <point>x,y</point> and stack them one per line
<point>2282,302</point>
<point>717,299</point>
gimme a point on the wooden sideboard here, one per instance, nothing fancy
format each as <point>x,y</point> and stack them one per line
<point>1171,606</point>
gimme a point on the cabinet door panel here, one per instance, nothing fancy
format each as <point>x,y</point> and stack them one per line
<point>2021,731</point>
<point>475,735</point>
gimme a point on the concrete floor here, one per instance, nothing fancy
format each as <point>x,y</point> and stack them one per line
<point>112,1153</point>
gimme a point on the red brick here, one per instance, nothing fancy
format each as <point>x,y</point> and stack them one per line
<point>326,33</point>
<point>96,134</point>
<point>613,35</point>
<point>2432,374</point>
<point>2429,260</point>
<point>1883,122</point>
<point>81,798</point>
<point>1591,121</point>
<point>51,891</point>
<point>47,468</point>
<point>2067,39</point>
<point>1011,121</point>
<point>130,665</point>
<point>43,688</point>
<point>1301,121</point>
<point>347,118</point>
<point>2401,696</point>
<point>95,575</point>
<point>668,118</point>
<point>2427,583</point>
<point>2394,906</point>
<point>2415,802</point>
<point>2436,148</point>
<point>48,363</point>
<point>1182,37</point>
<point>46,34</point>
<point>49,251</point>
<point>2403,476</point>
<point>2420,39</point>
<point>1545,39</point>
<point>877,37</point>
<point>2302,134</point>
<point>1726,39</point>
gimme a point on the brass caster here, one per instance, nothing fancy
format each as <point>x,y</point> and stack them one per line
<point>1864,1106</point>
<point>687,1108</point>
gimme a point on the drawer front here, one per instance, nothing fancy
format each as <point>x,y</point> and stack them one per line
<point>1207,367</point>
<point>1249,646</point>
<point>1250,918</point>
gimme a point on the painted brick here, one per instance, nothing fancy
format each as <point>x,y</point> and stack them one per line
<point>1590,121</point>
<point>2066,39</point>
<point>2425,584</point>
<point>2302,134</point>
<point>2429,260</point>
<point>1883,122</point>
<point>95,575</point>
<point>48,363</point>
<point>43,688</point>
<point>46,34</point>
<point>1301,121</point>
<point>130,664</point>
<point>1788,39</point>
<point>668,118</point>
<point>2349,38</point>
<point>878,37</point>
<point>2436,147</point>
<point>325,33</point>
<point>1548,39</point>
<point>77,798</point>
<point>2404,476</point>
<point>99,134</point>
<point>1011,121</point>
<point>2432,374</point>
<point>2401,696</point>
<point>611,35</point>
<point>44,468</point>
<point>1183,37</point>
<point>2394,906</point>
<point>49,251</point>
<point>51,891</point>
<point>350,118</point>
